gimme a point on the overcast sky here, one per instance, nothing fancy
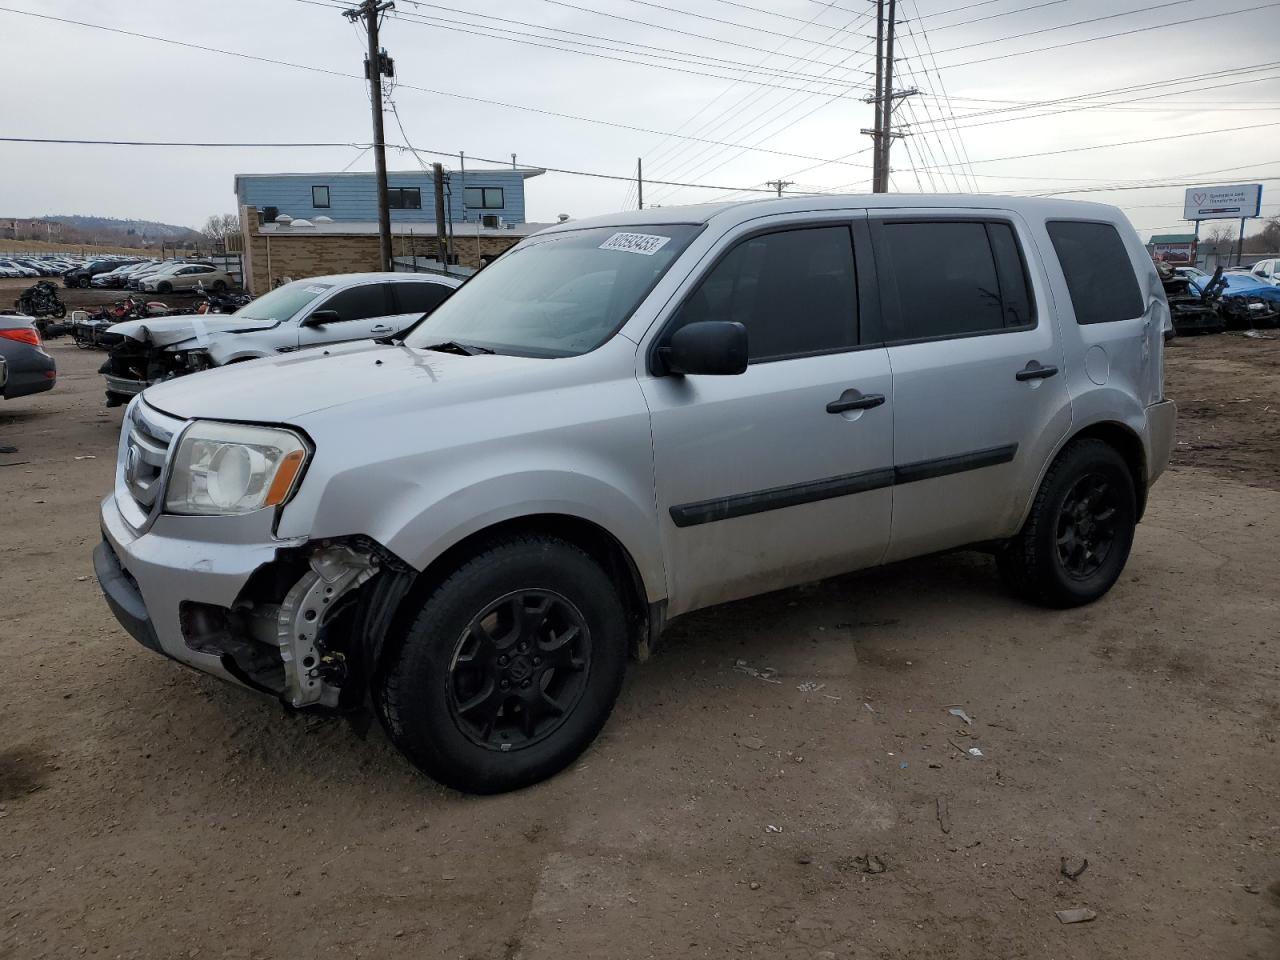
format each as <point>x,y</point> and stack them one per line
<point>78,82</point>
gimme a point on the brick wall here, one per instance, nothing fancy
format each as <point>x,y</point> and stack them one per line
<point>268,257</point>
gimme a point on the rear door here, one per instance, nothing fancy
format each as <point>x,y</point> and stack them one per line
<point>777,475</point>
<point>413,299</point>
<point>362,310</point>
<point>979,402</point>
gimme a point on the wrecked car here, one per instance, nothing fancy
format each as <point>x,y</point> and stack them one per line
<point>1191,310</point>
<point>304,313</point>
<point>628,418</point>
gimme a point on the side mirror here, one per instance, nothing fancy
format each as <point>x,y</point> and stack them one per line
<point>709,347</point>
<point>321,317</point>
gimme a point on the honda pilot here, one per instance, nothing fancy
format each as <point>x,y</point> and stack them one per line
<point>473,526</point>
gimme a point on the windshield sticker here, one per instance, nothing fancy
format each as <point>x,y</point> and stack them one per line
<point>316,289</point>
<point>645,244</point>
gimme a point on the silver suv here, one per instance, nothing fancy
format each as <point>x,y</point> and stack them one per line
<point>628,418</point>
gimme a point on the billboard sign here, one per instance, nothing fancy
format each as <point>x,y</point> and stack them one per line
<point>1223,203</point>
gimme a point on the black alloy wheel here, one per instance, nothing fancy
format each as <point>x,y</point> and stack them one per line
<point>1087,526</point>
<point>519,669</point>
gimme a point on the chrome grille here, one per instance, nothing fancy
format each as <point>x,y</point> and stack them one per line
<point>140,473</point>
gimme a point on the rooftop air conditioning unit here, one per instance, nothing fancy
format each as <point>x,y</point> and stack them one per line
<point>284,220</point>
<point>491,220</point>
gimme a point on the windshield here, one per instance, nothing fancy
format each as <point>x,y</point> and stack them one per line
<point>283,302</point>
<point>557,296</point>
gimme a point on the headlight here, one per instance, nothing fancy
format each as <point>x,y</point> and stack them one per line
<point>228,468</point>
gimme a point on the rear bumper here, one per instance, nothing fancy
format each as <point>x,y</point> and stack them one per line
<point>1162,420</point>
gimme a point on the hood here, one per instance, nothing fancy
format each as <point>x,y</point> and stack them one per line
<point>196,327</point>
<point>287,388</point>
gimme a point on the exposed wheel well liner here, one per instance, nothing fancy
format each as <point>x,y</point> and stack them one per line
<point>1129,445</point>
<point>594,540</point>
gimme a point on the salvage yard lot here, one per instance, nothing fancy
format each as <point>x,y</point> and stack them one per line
<point>148,811</point>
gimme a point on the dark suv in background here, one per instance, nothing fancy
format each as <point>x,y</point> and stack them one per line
<point>81,276</point>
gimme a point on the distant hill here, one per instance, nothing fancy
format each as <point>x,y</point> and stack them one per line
<point>111,229</point>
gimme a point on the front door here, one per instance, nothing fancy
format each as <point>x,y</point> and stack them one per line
<point>979,390</point>
<point>781,474</point>
<point>361,311</point>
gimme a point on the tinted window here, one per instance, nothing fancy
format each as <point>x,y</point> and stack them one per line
<point>945,280</point>
<point>483,198</point>
<point>1098,271</point>
<point>360,303</point>
<point>420,297</point>
<point>320,197</point>
<point>794,291</point>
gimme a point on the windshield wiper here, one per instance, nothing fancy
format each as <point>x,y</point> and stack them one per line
<point>453,346</point>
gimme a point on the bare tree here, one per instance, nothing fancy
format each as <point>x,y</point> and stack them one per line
<point>218,228</point>
<point>1219,234</point>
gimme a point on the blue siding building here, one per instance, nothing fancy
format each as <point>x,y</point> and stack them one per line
<point>353,197</point>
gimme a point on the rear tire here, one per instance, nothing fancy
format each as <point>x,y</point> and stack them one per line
<point>83,283</point>
<point>510,668</point>
<point>219,286</point>
<point>1077,537</point>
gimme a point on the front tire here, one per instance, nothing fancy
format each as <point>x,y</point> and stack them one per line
<point>1077,537</point>
<point>510,668</point>
<point>164,287</point>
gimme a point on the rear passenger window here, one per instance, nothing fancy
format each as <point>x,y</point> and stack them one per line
<point>1098,270</point>
<point>953,279</point>
<point>421,297</point>
<point>794,291</point>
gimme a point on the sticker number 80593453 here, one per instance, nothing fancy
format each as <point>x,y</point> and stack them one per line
<point>645,244</point>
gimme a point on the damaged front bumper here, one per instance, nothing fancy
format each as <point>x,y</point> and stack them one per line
<point>222,595</point>
<point>132,366</point>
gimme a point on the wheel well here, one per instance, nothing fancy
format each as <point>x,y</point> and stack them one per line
<point>594,540</point>
<point>1129,446</point>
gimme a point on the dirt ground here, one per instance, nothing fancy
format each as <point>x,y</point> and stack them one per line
<point>147,811</point>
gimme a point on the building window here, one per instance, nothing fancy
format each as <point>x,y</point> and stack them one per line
<point>320,197</point>
<point>404,198</point>
<point>483,198</point>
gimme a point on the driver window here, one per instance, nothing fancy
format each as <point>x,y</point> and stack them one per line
<point>359,303</point>
<point>793,290</point>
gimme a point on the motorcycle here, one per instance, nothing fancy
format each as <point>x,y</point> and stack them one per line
<point>41,301</point>
<point>220,302</point>
<point>87,329</point>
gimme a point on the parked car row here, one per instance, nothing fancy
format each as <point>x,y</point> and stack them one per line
<point>35,267</point>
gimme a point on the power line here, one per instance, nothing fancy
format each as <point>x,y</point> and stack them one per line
<point>1111,36</point>
<point>405,86</point>
<point>1065,26</point>
<point>990,16</point>
<point>1128,143</point>
<point>664,52</point>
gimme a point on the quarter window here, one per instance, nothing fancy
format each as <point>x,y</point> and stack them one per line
<point>1098,271</point>
<point>953,279</point>
<point>483,198</point>
<point>359,303</point>
<point>794,291</point>
<point>404,198</point>
<point>320,197</point>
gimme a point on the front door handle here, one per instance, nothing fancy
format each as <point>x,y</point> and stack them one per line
<point>1034,371</point>
<point>855,400</point>
<point>381,328</point>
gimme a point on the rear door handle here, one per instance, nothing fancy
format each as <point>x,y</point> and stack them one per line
<point>1034,371</point>
<point>381,328</point>
<point>855,400</point>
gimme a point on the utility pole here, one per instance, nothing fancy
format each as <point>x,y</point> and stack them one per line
<point>639,183</point>
<point>780,184</point>
<point>442,240</point>
<point>376,65</point>
<point>885,99</point>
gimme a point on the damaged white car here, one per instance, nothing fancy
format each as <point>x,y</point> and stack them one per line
<point>305,313</point>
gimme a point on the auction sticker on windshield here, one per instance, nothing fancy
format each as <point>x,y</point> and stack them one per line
<point>646,244</point>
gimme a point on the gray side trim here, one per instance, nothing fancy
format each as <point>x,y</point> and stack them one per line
<point>811,491</point>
